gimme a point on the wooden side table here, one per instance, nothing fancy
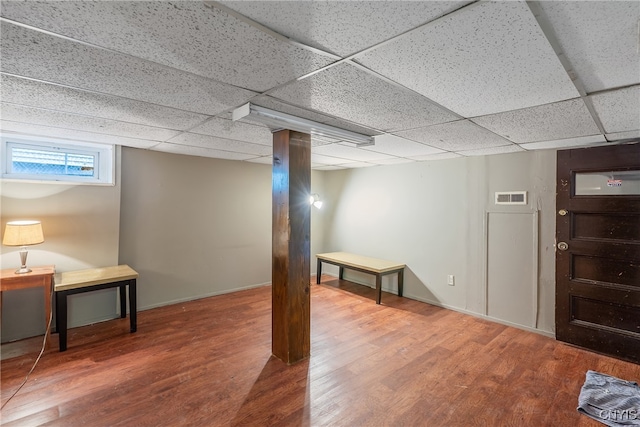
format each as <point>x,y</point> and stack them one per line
<point>39,276</point>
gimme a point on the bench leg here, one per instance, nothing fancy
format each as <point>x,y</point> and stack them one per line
<point>341,273</point>
<point>61,319</point>
<point>400,282</point>
<point>133,305</point>
<point>123,301</point>
<point>318,271</point>
<point>378,288</point>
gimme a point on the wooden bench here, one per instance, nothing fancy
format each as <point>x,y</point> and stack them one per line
<point>375,266</point>
<point>94,279</point>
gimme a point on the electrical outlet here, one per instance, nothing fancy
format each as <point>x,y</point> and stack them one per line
<point>451,280</point>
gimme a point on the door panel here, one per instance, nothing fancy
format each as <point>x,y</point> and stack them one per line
<point>605,271</point>
<point>598,255</point>
<point>603,313</point>
<point>606,226</point>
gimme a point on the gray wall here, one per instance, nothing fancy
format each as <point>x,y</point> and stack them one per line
<point>81,227</point>
<point>194,227</point>
<point>440,218</point>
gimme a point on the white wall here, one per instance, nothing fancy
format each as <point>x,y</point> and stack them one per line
<point>194,227</point>
<point>81,227</point>
<point>433,215</point>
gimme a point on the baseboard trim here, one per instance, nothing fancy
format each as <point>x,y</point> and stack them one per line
<point>197,297</point>
<point>459,310</point>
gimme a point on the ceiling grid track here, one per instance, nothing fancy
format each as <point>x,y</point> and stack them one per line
<point>106,49</point>
<point>548,32</point>
<point>514,76</point>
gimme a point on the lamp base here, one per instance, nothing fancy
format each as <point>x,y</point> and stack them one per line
<point>23,261</point>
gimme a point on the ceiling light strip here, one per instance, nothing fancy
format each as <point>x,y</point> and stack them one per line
<point>329,117</point>
<point>548,32</point>
<point>277,120</point>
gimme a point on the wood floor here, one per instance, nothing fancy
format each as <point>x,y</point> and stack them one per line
<point>207,363</point>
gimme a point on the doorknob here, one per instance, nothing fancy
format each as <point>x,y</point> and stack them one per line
<point>563,246</point>
<point>563,212</point>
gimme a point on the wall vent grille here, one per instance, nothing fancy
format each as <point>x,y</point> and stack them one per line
<point>511,197</point>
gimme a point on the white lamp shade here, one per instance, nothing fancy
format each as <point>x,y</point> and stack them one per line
<point>22,233</point>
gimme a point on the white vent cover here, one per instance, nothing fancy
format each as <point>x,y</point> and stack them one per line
<point>511,197</point>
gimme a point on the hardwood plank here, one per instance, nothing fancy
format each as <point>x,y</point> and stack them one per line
<point>208,363</point>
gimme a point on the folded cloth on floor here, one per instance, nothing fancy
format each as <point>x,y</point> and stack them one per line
<point>610,400</point>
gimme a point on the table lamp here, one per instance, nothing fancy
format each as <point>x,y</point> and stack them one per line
<point>23,233</point>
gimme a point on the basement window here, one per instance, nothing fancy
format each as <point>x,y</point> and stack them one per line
<point>45,160</point>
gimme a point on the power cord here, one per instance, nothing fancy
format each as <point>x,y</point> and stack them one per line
<point>44,344</point>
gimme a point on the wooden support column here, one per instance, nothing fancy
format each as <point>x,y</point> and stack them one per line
<point>291,319</point>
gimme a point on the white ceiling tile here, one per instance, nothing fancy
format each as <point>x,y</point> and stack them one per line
<point>212,142</point>
<point>201,152</point>
<point>74,135</point>
<point>439,156</point>
<point>267,160</point>
<point>38,116</point>
<point>54,97</point>
<point>565,119</point>
<point>401,147</point>
<point>455,136</point>
<point>151,69</point>
<point>623,135</point>
<point>492,150</point>
<point>223,128</point>
<point>317,141</point>
<point>184,35</point>
<point>356,165</point>
<point>487,58</point>
<point>341,27</point>
<point>328,168</point>
<point>565,143</point>
<point>44,57</point>
<point>619,110</point>
<point>327,160</point>
<point>356,95</point>
<point>393,161</point>
<point>599,38</point>
<point>351,153</point>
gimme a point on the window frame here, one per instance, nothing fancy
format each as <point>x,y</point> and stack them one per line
<point>104,155</point>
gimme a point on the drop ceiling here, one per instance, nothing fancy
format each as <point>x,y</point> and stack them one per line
<point>431,80</point>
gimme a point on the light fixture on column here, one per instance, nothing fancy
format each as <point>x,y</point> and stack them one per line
<point>23,233</point>
<point>314,200</point>
<point>277,121</point>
